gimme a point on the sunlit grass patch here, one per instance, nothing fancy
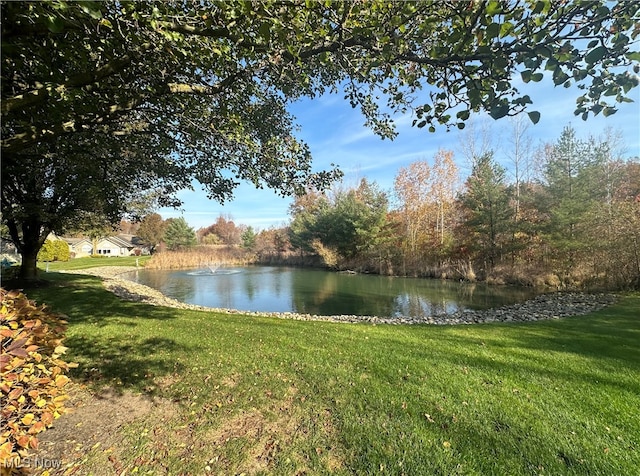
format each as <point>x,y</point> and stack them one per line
<point>272,396</point>
<point>91,262</point>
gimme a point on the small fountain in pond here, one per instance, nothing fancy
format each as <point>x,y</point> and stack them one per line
<point>213,267</point>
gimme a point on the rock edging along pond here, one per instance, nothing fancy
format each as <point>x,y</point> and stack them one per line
<point>544,306</point>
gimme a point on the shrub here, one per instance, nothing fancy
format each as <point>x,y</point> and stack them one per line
<point>61,250</point>
<point>32,374</point>
<point>54,250</point>
<point>46,253</point>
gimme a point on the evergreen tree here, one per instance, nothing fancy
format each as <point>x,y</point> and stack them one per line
<point>179,234</point>
<point>350,224</point>
<point>486,203</point>
<point>248,238</point>
<point>571,174</point>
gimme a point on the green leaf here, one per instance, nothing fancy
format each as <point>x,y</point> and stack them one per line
<point>55,24</point>
<point>505,29</point>
<point>551,65</point>
<point>559,77</point>
<point>539,7</point>
<point>500,110</point>
<point>595,55</point>
<point>91,8</point>
<point>493,30</point>
<point>534,116</point>
<point>494,8</point>
<point>526,75</point>
<point>536,77</point>
<point>463,115</point>
<point>609,111</point>
<point>265,31</point>
<point>543,51</point>
<point>633,55</point>
<point>500,62</point>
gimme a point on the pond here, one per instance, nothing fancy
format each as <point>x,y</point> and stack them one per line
<point>313,291</point>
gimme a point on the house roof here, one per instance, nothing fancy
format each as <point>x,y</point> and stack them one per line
<point>129,238</point>
<point>116,240</point>
<point>122,241</point>
<point>73,241</point>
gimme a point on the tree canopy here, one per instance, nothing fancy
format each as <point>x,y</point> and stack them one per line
<point>102,101</point>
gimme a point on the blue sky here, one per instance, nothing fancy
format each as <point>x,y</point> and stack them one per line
<point>335,134</point>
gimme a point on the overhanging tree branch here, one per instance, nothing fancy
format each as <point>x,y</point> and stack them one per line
<point>42,93</point>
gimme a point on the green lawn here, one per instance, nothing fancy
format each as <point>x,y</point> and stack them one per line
<point>89,262</point>
<point>271,396</point>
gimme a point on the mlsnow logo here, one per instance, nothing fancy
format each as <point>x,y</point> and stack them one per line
<point>32,462</point>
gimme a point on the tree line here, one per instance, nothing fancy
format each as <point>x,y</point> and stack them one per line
<point>572,220</point>
<point>175,234</point>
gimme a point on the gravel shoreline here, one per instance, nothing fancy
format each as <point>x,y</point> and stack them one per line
<point>544,306</point>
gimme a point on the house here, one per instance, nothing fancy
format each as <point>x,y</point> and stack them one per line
<point>79,247</point>
<point>108,246</point>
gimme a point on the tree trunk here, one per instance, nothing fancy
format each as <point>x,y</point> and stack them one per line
<point>28,243</point>
<point>29,268</point>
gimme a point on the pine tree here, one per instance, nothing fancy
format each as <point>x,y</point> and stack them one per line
<point>571,174</point>
<point>179,235</point>
<point>486,205</point>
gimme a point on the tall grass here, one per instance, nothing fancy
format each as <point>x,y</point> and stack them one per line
<point>201,256</point>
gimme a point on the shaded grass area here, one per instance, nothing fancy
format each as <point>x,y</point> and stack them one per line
<point>270,396</point>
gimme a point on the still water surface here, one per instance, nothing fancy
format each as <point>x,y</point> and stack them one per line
<point>312,291</point>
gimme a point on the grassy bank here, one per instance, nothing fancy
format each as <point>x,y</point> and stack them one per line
<point>268,396</point>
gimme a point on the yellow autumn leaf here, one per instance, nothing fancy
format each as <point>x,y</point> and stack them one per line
<point>27,419</point>
<point>5,450</point>
<point>61,380</point>
<point>60,399</point>
<point>61,349</point>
